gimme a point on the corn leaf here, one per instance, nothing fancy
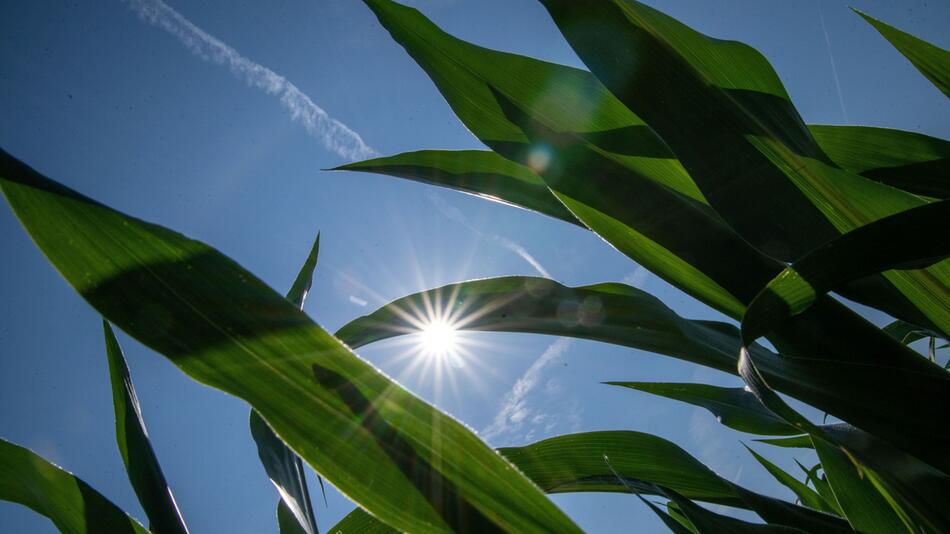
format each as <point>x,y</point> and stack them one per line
<point>821,485</point>
<point>854,255</point>
<point>479,172</point>
<point>734,407</point>
<point>725,114</point>
<point>641,463</point>
<point>359,522</point>
<point>791,442</point>
<point>677,514</point>
<point>932,61</point>
<point>225,328</point>
<point>283,466</point>
<point>806,495</point>
<point>912,489</point>
<point>914,162</point>
<point>708,522</point>
<point>862,380</point>
<point>139,458</point>
<point>71,504</point>
<point>575,463</point>
<point>907,333</point>
<point>611,312</point>
<point>865,507</point>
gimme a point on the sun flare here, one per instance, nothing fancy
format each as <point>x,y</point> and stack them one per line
<point>438,338</point>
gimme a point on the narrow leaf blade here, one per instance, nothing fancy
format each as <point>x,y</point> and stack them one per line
<point>141,464</point>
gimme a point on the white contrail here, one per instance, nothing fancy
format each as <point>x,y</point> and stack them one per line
<point>456,215</point>
<point>834,69</point>
<point>335,135</point>
<point>515,411</point>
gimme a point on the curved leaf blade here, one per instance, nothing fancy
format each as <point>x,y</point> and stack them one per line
<point>71,504</point>
<point>479,172</point>
<point>611,312</point>
<point>575,463</point>
<point>734,407</point>
<point>708,522</point>
<point>139,458</point>
<point>641,463</point>
<point>854,255</point>
<point>914,162</point>
<point>225,328</point>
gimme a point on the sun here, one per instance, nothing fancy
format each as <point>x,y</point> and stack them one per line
<point>438,338</point>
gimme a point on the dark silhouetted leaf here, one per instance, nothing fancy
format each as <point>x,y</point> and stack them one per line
<point>479,172</point>
<point>139,458</point>
<point>910,161</point>
<point>284,468</point>
<point>734,407</point>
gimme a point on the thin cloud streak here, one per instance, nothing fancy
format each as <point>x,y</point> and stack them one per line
<point>455,214</point>
<point>516,413</point>
<point>335,135</point>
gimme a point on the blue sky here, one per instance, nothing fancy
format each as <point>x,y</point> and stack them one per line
<point>137,113</point>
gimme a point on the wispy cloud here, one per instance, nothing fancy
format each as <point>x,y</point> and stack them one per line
<point>517,415</point>
<point>335,135</point>
<point>455,214</point>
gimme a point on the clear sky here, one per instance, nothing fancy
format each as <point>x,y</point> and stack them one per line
<point>132,113</point>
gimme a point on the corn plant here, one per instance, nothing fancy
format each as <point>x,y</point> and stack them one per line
<point>684,153</point>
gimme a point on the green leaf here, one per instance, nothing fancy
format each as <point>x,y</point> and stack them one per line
<point>793,442</point>
<point>677,514</point>
<point>225,328</point>
<point>854,255</point>
<point>640,463</point>
<point>914,162</point>
<point>479,172</point>
<point>861,388</point>
<point>907,333</point>
<point>304,280</point>
<point>725,114</point>
<point>670,216</point>
<point>139,458</point>
<point>614,313</point>
<point>708,522</point>
<point>917,427</point>
<point>821,485</point>
<point>734,407</point>
<point>287,522</point>
<point>575,463</point>
<point>932,61</point>
<point>71,504</point>
<point>572,100</point>
<point>865,507</point>
<point>283,466</point>
<point>914,490</point>
<point>806,495</point>
<point>359,522</point>
<point>673,524</point>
